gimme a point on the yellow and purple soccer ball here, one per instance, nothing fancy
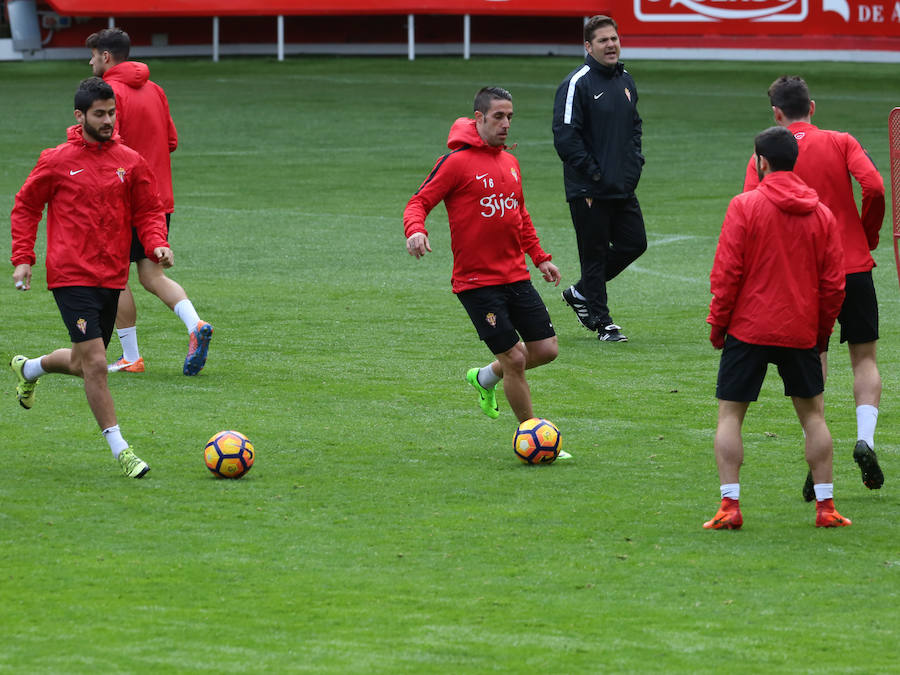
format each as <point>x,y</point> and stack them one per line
<point>537,441</point>
<point>229,454</point>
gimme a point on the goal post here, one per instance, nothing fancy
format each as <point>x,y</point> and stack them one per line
<point>894,137</point>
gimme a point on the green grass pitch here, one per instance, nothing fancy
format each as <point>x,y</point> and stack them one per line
<point>386,526</point>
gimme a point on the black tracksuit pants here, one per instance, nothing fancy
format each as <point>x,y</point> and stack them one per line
<point>610,235</point>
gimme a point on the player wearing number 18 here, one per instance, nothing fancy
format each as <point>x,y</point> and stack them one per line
<point>480,183</point>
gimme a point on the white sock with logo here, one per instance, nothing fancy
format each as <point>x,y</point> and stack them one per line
<point>866,418</point>
<point>33,369</point>
<point>116,443</point>
<point>730,490</point>
<point>128,340</point>
<point>487,378</point>
<point>186,312</point>
<point>577,295</point>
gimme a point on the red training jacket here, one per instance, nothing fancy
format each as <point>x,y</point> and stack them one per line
<point>827,160</point>
<point>95,193</point>
<point>144,122</point>
<point>778,275</point>
<point>490,229</point>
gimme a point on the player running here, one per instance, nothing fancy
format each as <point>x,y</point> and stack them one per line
<point>480,183</point>
<point>826,162</point>
<point>95,189</point>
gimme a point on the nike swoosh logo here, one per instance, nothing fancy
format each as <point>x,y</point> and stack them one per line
<point>72,173</point>
<point>596,96</point>
<point>477,177</point>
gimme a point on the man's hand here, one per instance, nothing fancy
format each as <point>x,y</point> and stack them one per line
<point>22,277</point>
<point>550,272</point>
<point>417,244</point>
<point>717,336</point>
<point>164,256</point>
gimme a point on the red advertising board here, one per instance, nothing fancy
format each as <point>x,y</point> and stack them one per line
<point>770,17</point>
<point>659,20</point>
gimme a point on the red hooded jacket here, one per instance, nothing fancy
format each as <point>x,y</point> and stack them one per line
<point>778,274</point>
<point>490,229</point>
<point>95,193</point>
<point>827,160</point>
<point>143,121</point>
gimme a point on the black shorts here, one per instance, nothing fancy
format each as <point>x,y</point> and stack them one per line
<point>742,370</point>
<point>137,248</point>
<point>502,313</point>
<point>859,313</point>
<point>88,312</point>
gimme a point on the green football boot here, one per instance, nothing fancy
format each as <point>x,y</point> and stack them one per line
<point>132,465</point>
<point>487,398</point>
<point>24,388</point>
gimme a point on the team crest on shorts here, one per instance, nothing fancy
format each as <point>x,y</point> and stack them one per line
<point>82,326</point>
<point>120,172</point>
<point>491,318</point>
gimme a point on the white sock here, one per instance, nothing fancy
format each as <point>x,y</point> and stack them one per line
<point>866,418</point>
<point>578,295</point>
<point>128,340</point>
<point>730,490</point>
<point>824,491</point>
<point>186,312</point>
<point>116,443</point>
<point>33,369</point>
<point>487,378</point>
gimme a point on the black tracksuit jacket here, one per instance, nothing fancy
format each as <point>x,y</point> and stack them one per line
<point>597,132</point>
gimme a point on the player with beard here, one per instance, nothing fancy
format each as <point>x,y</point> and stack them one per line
<point>95,189</point>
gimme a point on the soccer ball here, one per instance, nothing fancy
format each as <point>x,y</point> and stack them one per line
<point>229,454</point>
<point>537,441</point>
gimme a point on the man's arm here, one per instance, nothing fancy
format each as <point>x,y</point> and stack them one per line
<point>751,178</point>
<point>147,213</point>
<point>433,189</point>
<point>568,128</point>
<point>28,210</point>
<point>863,169</point>
<point>728,269</point>
<point>831,279</point>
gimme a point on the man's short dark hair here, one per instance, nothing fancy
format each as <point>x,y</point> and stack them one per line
<point>90,90</point>
<point>778,146</point>
<point>596,22</point>
<point>790,93</point>
<point>486,95</point>
<point>112,40</point>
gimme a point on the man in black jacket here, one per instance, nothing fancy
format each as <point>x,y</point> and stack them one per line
<point>597,134</point>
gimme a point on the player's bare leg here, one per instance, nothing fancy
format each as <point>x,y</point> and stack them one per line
<point>512,365</point>
<point>728,444</point>
<point>729,450</point>
<point>154,279</point>
<point>819,453</point>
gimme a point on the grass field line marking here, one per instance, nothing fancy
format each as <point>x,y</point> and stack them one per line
<point>673,238</point>
<point>665,275</point>
<point>292,212</point>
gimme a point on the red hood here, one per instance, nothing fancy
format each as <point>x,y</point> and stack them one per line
<point>788,192</point>
<point>75,136</point>
<point>133,73</point>
<point>463,132</point>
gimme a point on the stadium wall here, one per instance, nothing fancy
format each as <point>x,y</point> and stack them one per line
<point>774,30</point>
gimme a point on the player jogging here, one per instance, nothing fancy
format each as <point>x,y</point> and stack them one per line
<point>144,123</point>
<point>826,162</point>
<point>777,283</point>
<point>480,183</point>
<point>95,189</point>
